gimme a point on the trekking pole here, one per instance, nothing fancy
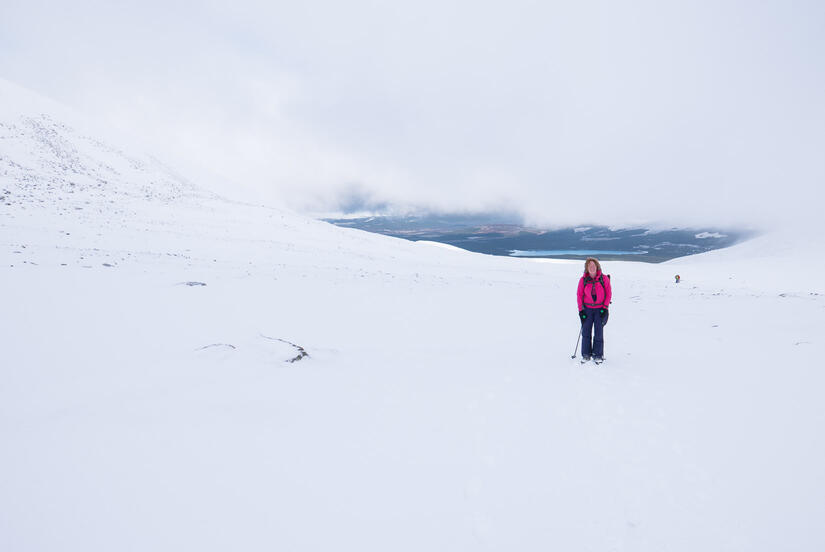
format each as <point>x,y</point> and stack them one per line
<point>576,350</point>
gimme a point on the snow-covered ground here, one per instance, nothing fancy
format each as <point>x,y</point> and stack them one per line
<point>438,409</point>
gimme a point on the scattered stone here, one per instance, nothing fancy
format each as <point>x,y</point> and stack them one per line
<point>217,345</point>
<point>194,284</point>
<point>301,351</point>
<point>107,264</point>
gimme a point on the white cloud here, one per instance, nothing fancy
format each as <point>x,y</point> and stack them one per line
<point>573,114</point>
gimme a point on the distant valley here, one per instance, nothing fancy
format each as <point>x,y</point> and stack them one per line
<point>503,235</point>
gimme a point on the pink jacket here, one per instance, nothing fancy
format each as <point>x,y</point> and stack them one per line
<point>588,286</point>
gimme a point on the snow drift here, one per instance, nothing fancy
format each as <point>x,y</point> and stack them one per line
<point>148,401</point>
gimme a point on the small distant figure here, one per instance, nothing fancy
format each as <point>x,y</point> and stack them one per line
<point>678,278</point>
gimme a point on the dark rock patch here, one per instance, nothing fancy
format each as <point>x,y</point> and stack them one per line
<point>301,351</point>
<point>217,345</point>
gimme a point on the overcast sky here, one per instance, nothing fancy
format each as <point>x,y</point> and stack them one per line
<point>570,112</point>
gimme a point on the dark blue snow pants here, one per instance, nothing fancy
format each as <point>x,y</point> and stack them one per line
<point>592,322</point>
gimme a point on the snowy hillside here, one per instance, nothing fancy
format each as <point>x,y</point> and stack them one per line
<point>156,393</point>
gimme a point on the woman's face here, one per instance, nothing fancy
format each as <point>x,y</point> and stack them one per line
<point>591,268</point>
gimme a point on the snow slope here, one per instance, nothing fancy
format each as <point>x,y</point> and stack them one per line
<point>438,409</point>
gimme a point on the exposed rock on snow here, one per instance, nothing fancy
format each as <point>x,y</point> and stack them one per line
<point>217,345</point>
<point>300,350</point>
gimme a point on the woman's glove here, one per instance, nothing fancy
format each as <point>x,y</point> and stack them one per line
<point>582,315</point>
<point>605,315</point>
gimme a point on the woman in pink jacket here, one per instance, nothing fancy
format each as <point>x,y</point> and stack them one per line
<point>594,299</point>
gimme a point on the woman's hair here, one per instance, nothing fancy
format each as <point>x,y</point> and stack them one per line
<point>595,260</point>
